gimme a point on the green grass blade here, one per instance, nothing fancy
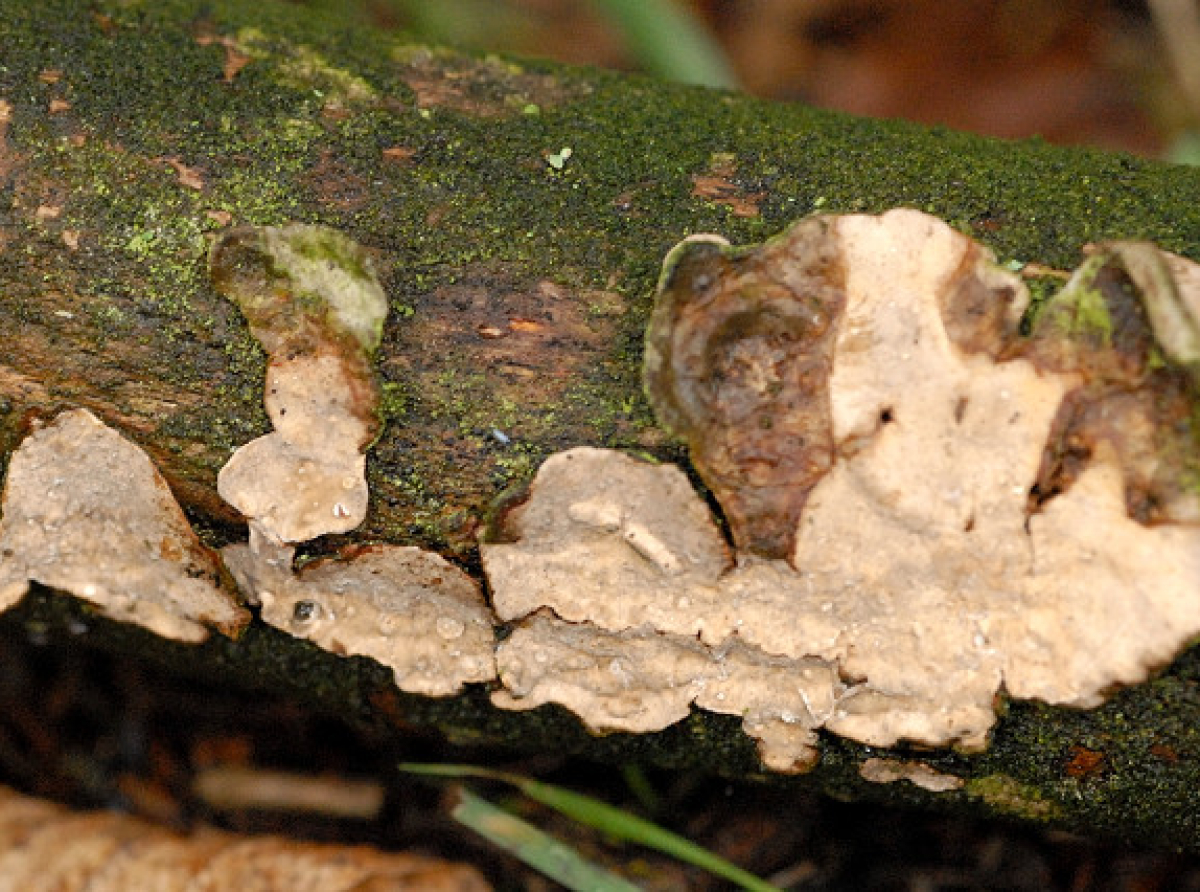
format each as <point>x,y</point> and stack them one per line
<point>607,819</point>
<point>539,850</point>
<point>441,769</point>
<point>641,788</point>
<point>669,41</point>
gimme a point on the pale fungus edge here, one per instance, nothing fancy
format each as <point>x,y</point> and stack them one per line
<point>85,511</point>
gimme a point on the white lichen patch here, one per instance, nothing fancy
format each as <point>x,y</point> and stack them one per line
<point>406,608</point>
<point>85,511</point>
<point>923,571</point>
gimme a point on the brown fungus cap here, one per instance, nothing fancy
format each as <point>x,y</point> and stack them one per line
<point>737,364</point>
<point>1126,323</point>
<point>924,566</point>
<point>85,511</point>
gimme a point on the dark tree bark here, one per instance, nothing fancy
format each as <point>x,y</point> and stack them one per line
<point>520,278</point>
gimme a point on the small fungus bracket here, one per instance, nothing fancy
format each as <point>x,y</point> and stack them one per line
<point>406,608</point>
<point>85,511</point>
<point>314,303</point>
<point>919,774</point>
<point>928,508</point>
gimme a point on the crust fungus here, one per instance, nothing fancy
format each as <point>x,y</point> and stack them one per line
<point>85,511</point>
<point>313,301</point>
<point>406,608</point>
<point>737,364</point>
<point>928,508</point>
<point>888,771</point>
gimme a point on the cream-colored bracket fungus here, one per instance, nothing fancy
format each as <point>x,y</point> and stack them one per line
<point>927,507</point>
<point>313,301</point>
<point>85,511</point>
<point>405,608</point>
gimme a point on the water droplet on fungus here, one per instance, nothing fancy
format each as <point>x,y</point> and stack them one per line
<point>85,511</point>
<point>313,301</point>
<point>406,608</point>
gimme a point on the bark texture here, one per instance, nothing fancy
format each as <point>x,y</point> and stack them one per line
<point>520,278</point>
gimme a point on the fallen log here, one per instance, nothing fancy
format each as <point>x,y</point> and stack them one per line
<point>516,217</point>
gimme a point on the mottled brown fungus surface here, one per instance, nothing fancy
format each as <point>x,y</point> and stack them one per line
<point>1125,323</point>
<point>302,288</point>
<point>737,364</point>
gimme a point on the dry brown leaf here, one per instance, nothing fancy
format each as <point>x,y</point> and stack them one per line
<point>192,177</point>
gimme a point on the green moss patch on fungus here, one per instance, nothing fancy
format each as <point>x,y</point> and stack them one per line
<point>1079,309</point>
<point>312,299</point>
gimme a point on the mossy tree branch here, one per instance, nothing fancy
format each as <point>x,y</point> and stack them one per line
<point>520,278</point>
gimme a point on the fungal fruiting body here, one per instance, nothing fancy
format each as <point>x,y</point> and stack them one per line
<point>85,511</point>
<point>406,608</point>
<point>313,302</point>
<point>314,456</point>
<point>928,507</point>
<point>737,363</point>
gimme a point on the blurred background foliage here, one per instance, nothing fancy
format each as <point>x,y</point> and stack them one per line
<point>1119,74</point>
